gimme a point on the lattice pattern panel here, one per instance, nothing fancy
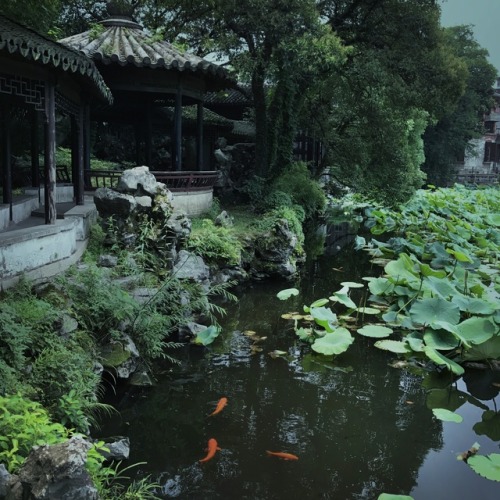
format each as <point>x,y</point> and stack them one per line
<point>31,91</point>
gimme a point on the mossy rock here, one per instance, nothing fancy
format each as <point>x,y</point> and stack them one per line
<point>114,355</point>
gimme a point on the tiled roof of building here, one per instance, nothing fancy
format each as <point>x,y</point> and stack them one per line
<point>27,43</point>
<point>231,96</point>
<point>124,42</point>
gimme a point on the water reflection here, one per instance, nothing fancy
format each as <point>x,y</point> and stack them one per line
<point>359,427</point>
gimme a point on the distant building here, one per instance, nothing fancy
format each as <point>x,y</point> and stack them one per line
<point>482,165</point>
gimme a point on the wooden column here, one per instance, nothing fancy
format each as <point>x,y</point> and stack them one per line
<point>50,154</point>
<point>199,136</point>
<point>85,137</point>
<point>77,161</point>
<point>149,134</point>
<point>35,150</point>
<point>137,135</point>
<point>177,149</point>
<point>6,158</point>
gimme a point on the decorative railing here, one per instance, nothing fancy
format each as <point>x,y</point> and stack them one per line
<point>193,180</point>
<point>187,181</point>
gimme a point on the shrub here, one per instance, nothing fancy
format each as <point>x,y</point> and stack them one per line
<point>303,190</point>
<point>291,215</point>
<point>215,243</point>
<point>24,424</point>
<point>72,361</point>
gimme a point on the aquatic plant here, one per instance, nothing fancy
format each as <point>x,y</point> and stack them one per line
<point>439,291</point>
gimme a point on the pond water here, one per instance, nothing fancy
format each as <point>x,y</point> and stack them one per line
<point>359,426</point>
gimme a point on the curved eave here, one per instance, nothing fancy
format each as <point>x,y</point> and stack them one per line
<point>128,46</point>
<point>28,44</point>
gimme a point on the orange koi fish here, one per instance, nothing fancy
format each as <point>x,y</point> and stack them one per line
<point>212,448</point>
<point>283,455</point>
<point>220,405</point>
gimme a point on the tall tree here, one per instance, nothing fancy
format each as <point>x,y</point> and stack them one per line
<point>40,15</point>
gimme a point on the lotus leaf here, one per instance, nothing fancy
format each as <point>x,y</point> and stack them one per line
<point>477,330</point>
<point>390,496</point>
<point>368,310</point>
<point>323,316</point>
<point>342,297</point>
<point>487,350</point>
<point>489,425</point>
<point>441,360</point>
<point>427,311</point>
<point>359,242</point>
<point>426,270</point>
<point>447,415</point>
<point>439,286</point>
<point>415,341</point>
<point>449,398</point>
<point>402,269</point>
<point>441,340</point>
<point>333,343</point>
<point>394,346</point>
<point>487,466</point>
<point>207,336</point>
<point>286,294</point>
<point>493,219</point>
<point>380,286</point>
<point>352,284</point>
<point>461,255</point>
<point>319,303</point>
<point>304,333</point>
<point>375,331</point>
<point>473,305</point>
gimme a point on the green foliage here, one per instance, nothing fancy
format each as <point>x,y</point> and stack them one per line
<point>270,219</point>
<point>40,15</point>
<point>296,182</point>
<point>99,305</point>
<point>96,30</point>
<point>77,366</point>
<point>24,424</point>
<point>214,243</point>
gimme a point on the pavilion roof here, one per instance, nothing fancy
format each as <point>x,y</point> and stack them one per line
<point>124,42</point>
<point>28,44</point>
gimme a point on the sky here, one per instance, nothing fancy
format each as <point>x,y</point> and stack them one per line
<point>484,15</point>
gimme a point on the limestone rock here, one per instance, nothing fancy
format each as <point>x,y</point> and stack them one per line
<point>190,266</point>
<point>138,179</point>
<point>111,203</point>
<point>118,450</point>
<point>58,471</point>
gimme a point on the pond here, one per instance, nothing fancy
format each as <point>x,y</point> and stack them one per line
<point>359,426</point>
